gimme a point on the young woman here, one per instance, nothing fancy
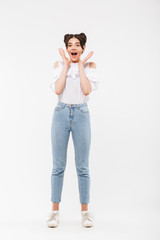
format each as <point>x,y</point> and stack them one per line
<point>73,81</point>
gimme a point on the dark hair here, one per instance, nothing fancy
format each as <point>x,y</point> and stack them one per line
<point>81,37</point>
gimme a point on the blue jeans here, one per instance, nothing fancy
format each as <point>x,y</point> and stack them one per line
<point>74,118</point>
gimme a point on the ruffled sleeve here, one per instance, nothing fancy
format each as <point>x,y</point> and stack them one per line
<point>92,75</point>
<point>56,72</point>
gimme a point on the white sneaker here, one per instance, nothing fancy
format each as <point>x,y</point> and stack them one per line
<point>87,219</point>
<point>53,220</point>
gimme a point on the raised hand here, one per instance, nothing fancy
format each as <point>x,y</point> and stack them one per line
<point>66,60</point>
<point>85,59</point>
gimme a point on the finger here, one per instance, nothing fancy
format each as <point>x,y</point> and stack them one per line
<point>64,53</point>
<point>88,56</point>
<point>61,53</point>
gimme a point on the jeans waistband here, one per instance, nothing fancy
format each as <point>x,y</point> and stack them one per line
<point>72,105</point>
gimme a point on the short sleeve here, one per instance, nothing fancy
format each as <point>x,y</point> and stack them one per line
<point>92,75</point>
<point>56,72</point>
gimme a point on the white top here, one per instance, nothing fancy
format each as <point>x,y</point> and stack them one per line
<point>72,92</point>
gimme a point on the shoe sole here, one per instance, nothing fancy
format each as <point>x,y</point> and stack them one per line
<point>87,226</point>
<point>52,226</point>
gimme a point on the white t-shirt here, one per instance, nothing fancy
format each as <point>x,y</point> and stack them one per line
<point>72,92</point>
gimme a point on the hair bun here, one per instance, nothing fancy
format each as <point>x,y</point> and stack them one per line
<point>66,36</point>
<point>83,35</point>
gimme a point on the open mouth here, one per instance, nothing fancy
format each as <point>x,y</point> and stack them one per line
<point>73,53</point>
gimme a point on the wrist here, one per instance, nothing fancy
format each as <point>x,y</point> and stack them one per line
<point>81,65</point>
<point>66,66</point>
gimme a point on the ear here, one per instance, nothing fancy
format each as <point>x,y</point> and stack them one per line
<point>84,48</point>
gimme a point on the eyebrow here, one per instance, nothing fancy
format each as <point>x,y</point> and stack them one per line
<point>71,43</point>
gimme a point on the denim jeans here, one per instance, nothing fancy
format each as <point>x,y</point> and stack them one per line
<point>73,118</point>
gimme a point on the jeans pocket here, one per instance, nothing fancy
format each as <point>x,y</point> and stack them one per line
<point>84,109</point>
<point>59,108</point>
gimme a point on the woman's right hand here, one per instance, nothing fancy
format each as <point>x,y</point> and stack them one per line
<point>66,60</point>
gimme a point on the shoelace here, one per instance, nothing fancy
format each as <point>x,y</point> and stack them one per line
<point>88,216</point>
<point>53,216</point>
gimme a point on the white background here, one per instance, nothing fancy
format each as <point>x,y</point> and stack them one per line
<point>125,115</point>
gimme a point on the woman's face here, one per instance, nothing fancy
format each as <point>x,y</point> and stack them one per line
<point>74,47</point>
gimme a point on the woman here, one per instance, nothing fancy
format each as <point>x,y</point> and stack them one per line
<point>73,81</point>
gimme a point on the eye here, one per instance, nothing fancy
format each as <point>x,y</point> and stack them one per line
<point>76,45</point>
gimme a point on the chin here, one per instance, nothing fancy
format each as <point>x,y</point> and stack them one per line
<point>74,60</point>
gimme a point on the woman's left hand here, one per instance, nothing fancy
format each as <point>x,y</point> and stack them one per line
<point>82,62</point>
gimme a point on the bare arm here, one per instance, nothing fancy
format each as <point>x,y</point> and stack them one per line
<point>61,81</point>
<point>85,83</point>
